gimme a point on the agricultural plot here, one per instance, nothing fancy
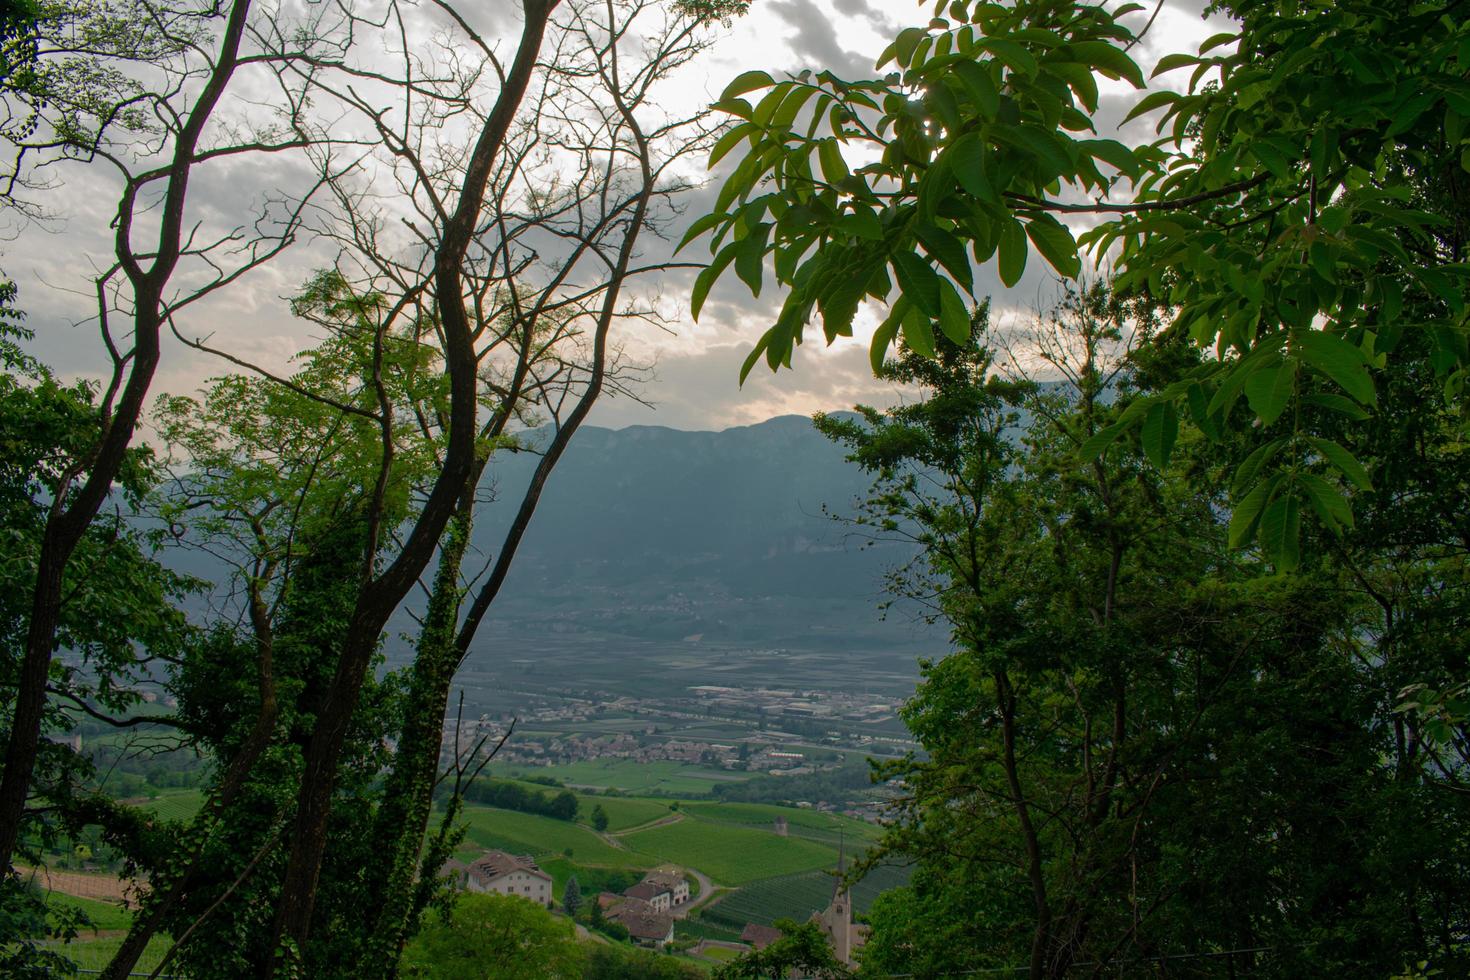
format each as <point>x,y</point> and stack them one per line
<point>538,836</point>
<point>91,955</point>
<point>661,778</point>
<point>731,855</point>
<point>623,812</point>
<point>176,804</point>
<point>103,915</point>
<point>812,824</point>
<point>798,896</point>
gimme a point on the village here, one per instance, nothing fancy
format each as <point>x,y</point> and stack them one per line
<point>766,730</point>
<point>646,912</point>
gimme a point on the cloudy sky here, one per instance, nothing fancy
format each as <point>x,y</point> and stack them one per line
<point>695,385</point>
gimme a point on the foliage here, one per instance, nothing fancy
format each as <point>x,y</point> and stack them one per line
<point>599,818</point>
<point>1277,215</point>
<point>507,795</point>
<point>605,962</point>
<point>802,951</point>
<point>730,855</point>
<point>572,896</point>
<point>1133,750</point>
<point>494,937</point>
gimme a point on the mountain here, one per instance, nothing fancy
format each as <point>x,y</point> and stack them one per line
<point>731,535</point>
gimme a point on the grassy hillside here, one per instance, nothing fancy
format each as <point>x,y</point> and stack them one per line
<point>731,855</point>
<point>529,833</point>
<point>660,778</point>
<point>812,824</point>
<point>797,896</point>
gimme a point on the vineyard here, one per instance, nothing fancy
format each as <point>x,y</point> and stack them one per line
<point>797,896</point>
<point>528,833</point>
<point>731,855</point>
<point>828,828</point>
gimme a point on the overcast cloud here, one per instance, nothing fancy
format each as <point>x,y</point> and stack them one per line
<point>696,384</point>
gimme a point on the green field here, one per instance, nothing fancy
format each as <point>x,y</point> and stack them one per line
<point>103,915</point>
<point>647,778</point>
<point>813,824</point>
<point>529,833</point>
<point>623,812</point>
<point>92,955</point>
<point>180,804</point>
<point>798,896</point>
<point>729,854</point>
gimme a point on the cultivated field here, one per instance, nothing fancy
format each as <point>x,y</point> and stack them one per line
<point>529,833</point>
<point>731,855</point>
<point>660,778</point>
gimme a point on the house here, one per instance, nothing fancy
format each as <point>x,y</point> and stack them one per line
<point>658,897</point>
<point>758,935</point>
<point>672,882</point>
<point>646,925</point>
<point>509,874</point>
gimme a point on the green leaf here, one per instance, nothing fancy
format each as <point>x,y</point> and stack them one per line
<point>1113,152</point>
<point>707,276</point>
<point>747,81</point>
<point>1151,102</point>
<point>1272,159</point>
<point>1039,143</point>
<point>980,85</point>
<point>699,227</point>
<point>1054,241</point>
<point>729,141</point>
<point>1337,403</point>
<point>1012,252</point>
<point>1160,429</point>
<point>1344,461</point>
<point>1110,60</point>
<point>967,157</point>
<point>1281,528</point>
<point>1247,472</point>
<point>947,250</point>
<point>829,156</point>
<point>918,281</point>
<point>1101,440</point>
<point>1248,511</point>
<point>1170,62</point>
<point>883,336</point>
<point>1331,507</point>
<point>1012,54</point>
<point>1268,389</point>
<point>954,317</point>
<point>918,332</point>
<point>1344,363</point>
<point>1215,40</point>
<point>750,257</point>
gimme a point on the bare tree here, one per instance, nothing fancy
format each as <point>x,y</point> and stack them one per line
<point>525,277</point>
<point>152,92</point>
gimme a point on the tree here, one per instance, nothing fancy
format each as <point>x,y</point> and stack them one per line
<point>494,937</point>
<point>1124,755</point>
<point>1275,216</point>
<point>94,70</point>
<point>117,621</point>
<point>599,818</point>
<point>572,897</point>
<point>801,951</point>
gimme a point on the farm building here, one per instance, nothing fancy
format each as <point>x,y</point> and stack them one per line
<point>672,882</point>
<point>758,935</point>
<point>509,874</point>
<point>647,926</point>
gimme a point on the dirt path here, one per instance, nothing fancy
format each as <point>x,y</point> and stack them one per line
<point>107,888</point>
<point>660,822</point>
<point>706,890</point>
